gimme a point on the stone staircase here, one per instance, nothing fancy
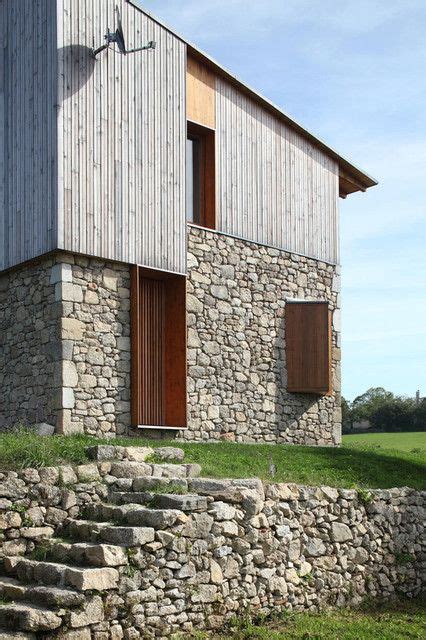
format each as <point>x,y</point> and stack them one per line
<point>69,586</point>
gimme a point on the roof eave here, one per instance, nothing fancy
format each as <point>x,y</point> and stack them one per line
<point>351,178</point>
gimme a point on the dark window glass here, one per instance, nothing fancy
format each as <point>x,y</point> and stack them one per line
<point>193,179</point>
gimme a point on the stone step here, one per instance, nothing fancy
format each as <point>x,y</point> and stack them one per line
<point>11,589</point>
<point>133,469</point>
<point>113,534</point>
<point>136,515</point>
<point>228,490</point>
<point>169,470</point>
<point>135,454</point>
<point>150,483</point>
<point>186,502</point>
<point>89,553</point>
<point>62,575</point>
<point>26,617</point>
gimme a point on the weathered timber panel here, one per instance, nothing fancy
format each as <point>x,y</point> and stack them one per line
<point>28,158</point>
<point>158,339</point>
<point>308,347</point>
<point>273,185</point>
<point>201,94</point>
<point>122,132</point>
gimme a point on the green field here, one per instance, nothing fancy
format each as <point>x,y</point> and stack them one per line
<point>401,620</point>
<point>400,441</point>
<point>372,461</point>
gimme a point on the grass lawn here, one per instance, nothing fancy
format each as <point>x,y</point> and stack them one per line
<point>402,620</point>
<point>401,441</point>
<point>356,463</point>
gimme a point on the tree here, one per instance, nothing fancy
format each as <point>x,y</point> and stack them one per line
<point>419,416</point>
<point>347,421</point>
<point>366,404</point>
<point>395,415</point>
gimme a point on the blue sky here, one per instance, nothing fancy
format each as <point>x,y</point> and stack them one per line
<point>355,75</point>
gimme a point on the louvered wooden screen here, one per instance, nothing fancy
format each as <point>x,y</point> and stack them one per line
<point>158,353</point>
<point>308,347</point>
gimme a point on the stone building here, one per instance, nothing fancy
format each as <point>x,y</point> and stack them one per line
<point>169,245</point>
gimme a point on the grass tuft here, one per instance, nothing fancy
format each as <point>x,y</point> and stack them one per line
<point>394,620</point>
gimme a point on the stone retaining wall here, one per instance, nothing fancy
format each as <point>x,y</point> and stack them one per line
<point>236,343</point>
<point>253,547</point>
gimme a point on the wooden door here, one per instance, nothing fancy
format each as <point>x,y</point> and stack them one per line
<point>158,355</point>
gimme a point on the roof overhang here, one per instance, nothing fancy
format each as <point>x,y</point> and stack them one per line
<point>351,178</point>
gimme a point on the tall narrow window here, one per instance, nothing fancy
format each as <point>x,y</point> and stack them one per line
<point>200,176</point>
<point>193,179</point>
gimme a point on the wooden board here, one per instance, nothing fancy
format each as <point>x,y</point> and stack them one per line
<point>28,130</point>
<point>308,347</point>
<point>200,94</point>
<point>158,351</point>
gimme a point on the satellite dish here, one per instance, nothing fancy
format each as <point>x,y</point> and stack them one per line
<point>117,37</point>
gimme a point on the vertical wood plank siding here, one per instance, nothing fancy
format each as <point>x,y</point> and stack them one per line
<point>122,133</point>
<point>28,158</point>
<point>273,186</point>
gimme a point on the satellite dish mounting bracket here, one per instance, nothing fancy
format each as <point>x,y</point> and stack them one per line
<point>117,37</point>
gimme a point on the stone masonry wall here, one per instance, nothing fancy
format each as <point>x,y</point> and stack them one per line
<point>251,548</point>
<point>236,343</point>
<point>95,329</point>
<point>65,345</point>
<point>30,347</point>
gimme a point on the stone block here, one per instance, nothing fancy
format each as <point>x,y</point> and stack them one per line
<point>92,579</point>
<point>61,272</point>
<point>340,532</point>
<point>128,536</point>
<point>69,374</point>
<point>137,454</point>
<point>109,279</point>
<point>71,329</point>
<point>44,429</point>
<point>93,613</point>
<point>68,292</point>
<point>88,473</point>
<point>68,400</point>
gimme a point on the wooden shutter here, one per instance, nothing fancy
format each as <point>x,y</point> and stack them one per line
<point>158,351</point>
<point>308,347</point>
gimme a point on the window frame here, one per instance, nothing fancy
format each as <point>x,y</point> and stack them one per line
<point>207,178</point>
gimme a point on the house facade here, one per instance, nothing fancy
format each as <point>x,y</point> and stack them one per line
<point>169,239</point>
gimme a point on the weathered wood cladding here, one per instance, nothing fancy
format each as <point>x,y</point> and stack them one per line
<point>28,158</point>
<point>200,94</point>
<point>273,185</point>
<point>122,133</point>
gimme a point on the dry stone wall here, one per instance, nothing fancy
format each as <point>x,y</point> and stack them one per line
<point>216,548</point>
<point>236,343</point>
